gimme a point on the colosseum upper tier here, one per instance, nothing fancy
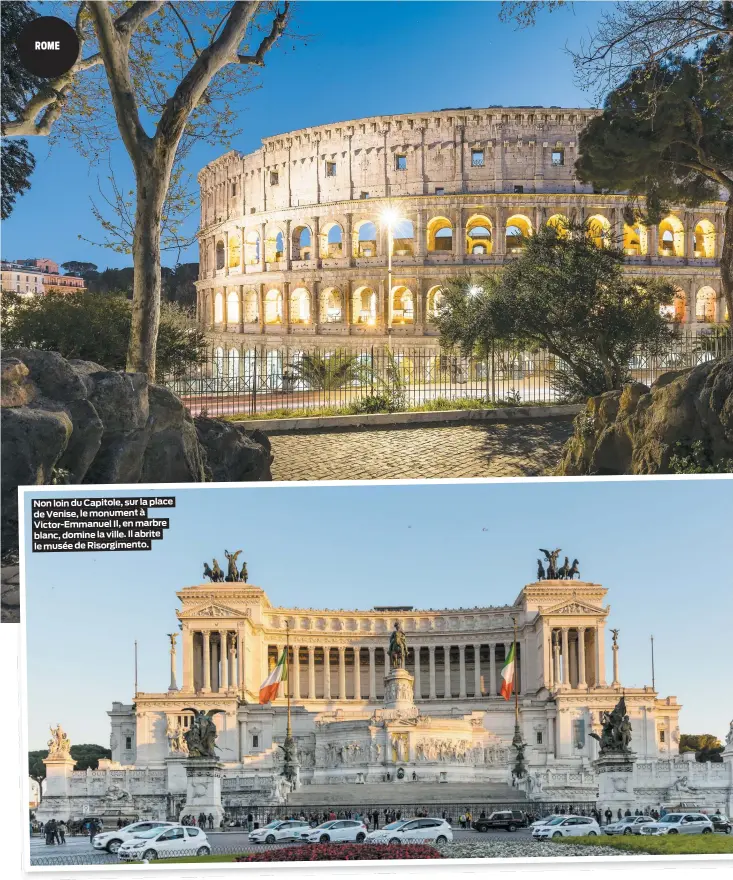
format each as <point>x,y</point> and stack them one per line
<point>295,238</point>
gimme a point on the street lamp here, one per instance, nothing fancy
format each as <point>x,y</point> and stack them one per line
<point>389,218</point>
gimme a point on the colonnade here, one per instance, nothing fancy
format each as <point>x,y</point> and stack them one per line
<point>213,660</point>
<point>574,657</point>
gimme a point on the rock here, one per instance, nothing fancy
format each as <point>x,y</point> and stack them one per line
<point>85,440</point>
<point>52,374</point>
<point>10,580</point>
<point>232,453</point>
<point>173,453</point>
<point>17,388</point>
<point>637,430</point>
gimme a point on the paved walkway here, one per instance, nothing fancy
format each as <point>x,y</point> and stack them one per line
<point>521,449</point>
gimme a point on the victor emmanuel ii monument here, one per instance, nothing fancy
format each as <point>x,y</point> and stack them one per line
<point>392,705</point>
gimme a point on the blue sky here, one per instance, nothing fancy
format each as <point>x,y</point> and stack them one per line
<point>661,547</point>
<point>359,59</point>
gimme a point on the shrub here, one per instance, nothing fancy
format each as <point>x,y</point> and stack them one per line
<point>343,852</point>
<point>373,403</point>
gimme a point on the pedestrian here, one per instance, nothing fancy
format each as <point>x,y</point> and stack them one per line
<point>211,822</point>
<point>250,821</point>
<point>48,830</point>
<point>61,831</point>
<point>609,815</point>
<point>627,813</point>
<point>92,829</point>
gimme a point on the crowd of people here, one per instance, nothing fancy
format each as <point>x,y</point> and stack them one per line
<point>202,821</point>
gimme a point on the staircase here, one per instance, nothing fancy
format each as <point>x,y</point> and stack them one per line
<point>404,793</point>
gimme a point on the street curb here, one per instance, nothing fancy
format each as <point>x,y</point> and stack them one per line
<point>331,423</point>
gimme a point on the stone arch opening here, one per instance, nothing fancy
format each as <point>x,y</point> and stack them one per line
<point>302,243</point>
<point>671,237</point>
<point>440,235</point>
<point>219,308</point>
<point>403,238</point>
<point>235,251</point>
<point>300,306</point>
<point>252,248</point>
<point>403,305</point>
<point>220,255</point>
<point>218,364</point>
<point>251,307</point>
<point>274,245</point>
<point>518,229</point>
<point>364,306</point>
<point>332,241</point>
<point>365,239</point>
<point>705,239</point>
<point>273,307</point>
<point>561,225</point>
<point>434,301</point>
<point>331,306</point>
<point>232,307</point>
<point>636,240</point>
<point>599,230</point>
<point>479,235</point>
<point>234,365</point>
<point>705,302</point>
<point>677,309</point>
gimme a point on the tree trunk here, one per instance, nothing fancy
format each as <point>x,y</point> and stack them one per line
<point>726,259</point>
<point>152,185</point>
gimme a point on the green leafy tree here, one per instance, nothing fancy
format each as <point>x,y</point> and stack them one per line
<point>667,134</point>
<point>568,296</point>
<point>95,327</point>
<point>705,746</point>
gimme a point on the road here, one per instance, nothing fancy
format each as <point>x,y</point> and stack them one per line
<point>79,848</point>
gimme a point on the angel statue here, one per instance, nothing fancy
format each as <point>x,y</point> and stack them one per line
<point>551,557</point>
<point>729,737</point>
<point>398,648</point>
<point>59,743</point>
<point>201,735</point>
<point>232,572</point>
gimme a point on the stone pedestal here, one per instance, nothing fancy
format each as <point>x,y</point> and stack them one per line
<point>55,802</point>
<point>399,691</point>
<point>728,764</point>
<point>203,789</point>
<point>615,772</point>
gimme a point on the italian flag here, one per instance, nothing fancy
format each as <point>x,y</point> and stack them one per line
<point>268,689</point>
<point>507,675</point>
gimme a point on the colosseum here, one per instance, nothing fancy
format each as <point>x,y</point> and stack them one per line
<point>343,233</point>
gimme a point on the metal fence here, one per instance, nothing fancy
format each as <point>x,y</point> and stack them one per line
<point>251,380</point>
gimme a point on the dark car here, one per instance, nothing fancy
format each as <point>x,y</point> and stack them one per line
<point>508,820</point>
<point>720,823</point>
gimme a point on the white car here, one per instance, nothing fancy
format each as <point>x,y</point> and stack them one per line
<point>544,820</point>
<point>280,829</point>
<point>627,825</point>
<point>680,823</point>
<point>567,826</point>
<point>336,831</point>
<point>111,841</point>
<point>412,831</point>
<point>165,843</point>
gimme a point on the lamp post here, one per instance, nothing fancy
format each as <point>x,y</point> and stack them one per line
<point>389,217</point>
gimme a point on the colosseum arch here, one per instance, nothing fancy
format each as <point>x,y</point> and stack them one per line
<point>302,243</point>
<point>599,229</point>
<point>235,251</point>
<point>232,307</point>
<point>705,239</point>
<point>403,305</point>
<point>560,223</point>
<point>677,309</point>
<point>517,229</point>
<point>364,306</point>
<point>300,306</point>
<point>434,300</point>
<point>331,306</point>
<point>252,248</point>
<point>636,240</point>
<point>705,305</point>
<point>440,235</point>
<point>332,241</point>
<point>234,366</point>
<point>365,239</point>
<point>273,307</point>
<point>219,307</point>
<point>479,235</point>
<point>251,307</point>
<point>403,238</point>
<point>220,255</point>
<point>274,244</point>
<point>671,237</point>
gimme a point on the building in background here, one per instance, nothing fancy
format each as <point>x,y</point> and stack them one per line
<point>17,278</point>
<point>37,276</point>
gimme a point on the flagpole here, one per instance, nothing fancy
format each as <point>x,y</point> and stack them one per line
<point>653,680</point>
<point>135,667</point>
<point>288,733</point>
<point>516,686</point>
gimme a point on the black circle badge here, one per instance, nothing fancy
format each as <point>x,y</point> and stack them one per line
<point>48,46</point>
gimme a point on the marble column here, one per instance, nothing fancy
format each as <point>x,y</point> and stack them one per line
<point>600,665</point>
<point>296,671</point>
<point>206,680</point>
<point>462,672</point>
<point>581,657</point>
<point>241,668</point>
<point>550,661</point>
<point>224,652</point>
<point>614,648</point>
<point>492,670</point>
<point>418,678</point>
<point>431,660</point>
<point>187,659</point>
<point>311,672</point>
<point>326,673</point>
<point>556,657</point>
<point>565,657</point>
<point>372,674</point>
<point>477,670</point>
<point>357,672</point>
<point>446,671</point>
<point>342,673</point>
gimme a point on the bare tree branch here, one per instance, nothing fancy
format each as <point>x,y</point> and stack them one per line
<point>278,26</point>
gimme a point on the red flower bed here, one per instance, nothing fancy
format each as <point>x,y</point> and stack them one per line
<point>343,852</point>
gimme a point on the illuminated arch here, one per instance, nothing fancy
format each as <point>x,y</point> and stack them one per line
<point>235,251</point>
<point>705,239</point>
<point>232,307</point>
<point>671,237</point>
<point>560,223</point>
<point>220,255</point>
<point>364,306</point>
<point>434,300</point>
<point>219,308</point>
<point>676,311</point>
<point>403,305</point>
<point>705,303</point>
<point>273,307</point>
<point>517,229</point>
<point>636,240</point>
<point>365,239</point>
<point>251,307</point>
<point>332,241</point>
<point>403,238</point>
<point>599,229</point>
<point>300,306</point>
<point>440,235</point>
<point>479,235</point>
<point>302,242</point>
<point>331,306</point>
<point>252,248</point>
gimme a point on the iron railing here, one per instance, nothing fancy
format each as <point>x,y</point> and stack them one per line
<point>250,379</point>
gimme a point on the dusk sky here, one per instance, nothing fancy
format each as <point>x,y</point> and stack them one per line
<point>660,547</point>
<point>359,59</point>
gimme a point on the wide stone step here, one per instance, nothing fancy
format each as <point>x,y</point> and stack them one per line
<point>400,792</point>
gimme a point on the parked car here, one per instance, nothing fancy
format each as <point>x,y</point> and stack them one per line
<point>280,829</point>
<point>337,831</point>
<point>412,831</point>
<point>113,840</point>
<point>544,820</point>
<point>680,823</point>
<point>508,820</point>
<point>721,823</point>
<point>567,826</point>
<point>165,843</point>
<point>627,825</point>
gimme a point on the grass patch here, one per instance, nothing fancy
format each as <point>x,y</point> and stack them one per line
<point>666,845</point>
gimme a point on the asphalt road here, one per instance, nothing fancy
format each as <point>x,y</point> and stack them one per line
<point>221,842</point>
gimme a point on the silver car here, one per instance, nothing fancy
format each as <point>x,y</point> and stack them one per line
<point>627,825</point>
<point>679,823</point>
